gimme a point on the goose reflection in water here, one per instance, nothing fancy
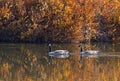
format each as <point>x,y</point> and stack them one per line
<point>59,54</point>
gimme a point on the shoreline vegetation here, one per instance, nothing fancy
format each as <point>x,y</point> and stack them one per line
<point>73,21</point>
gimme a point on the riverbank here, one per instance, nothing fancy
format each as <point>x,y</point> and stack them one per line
<point>57,42</point>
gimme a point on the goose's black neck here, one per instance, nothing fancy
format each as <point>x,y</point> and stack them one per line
<point>50,48</point>
<point>81,49</point>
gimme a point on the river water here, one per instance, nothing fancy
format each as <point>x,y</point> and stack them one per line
<point>30,62</point>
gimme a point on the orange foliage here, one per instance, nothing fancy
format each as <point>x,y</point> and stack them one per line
<point>59,20</point>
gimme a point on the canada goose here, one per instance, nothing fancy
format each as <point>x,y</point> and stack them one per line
<point>58,53</point>
<point>88,52</point>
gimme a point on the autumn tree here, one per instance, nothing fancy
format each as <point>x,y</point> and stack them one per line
<point>59,20</point>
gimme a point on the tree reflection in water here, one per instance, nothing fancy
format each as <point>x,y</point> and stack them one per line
<point>29,62</point>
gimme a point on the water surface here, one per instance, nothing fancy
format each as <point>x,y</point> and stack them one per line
<point>30,62</point>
